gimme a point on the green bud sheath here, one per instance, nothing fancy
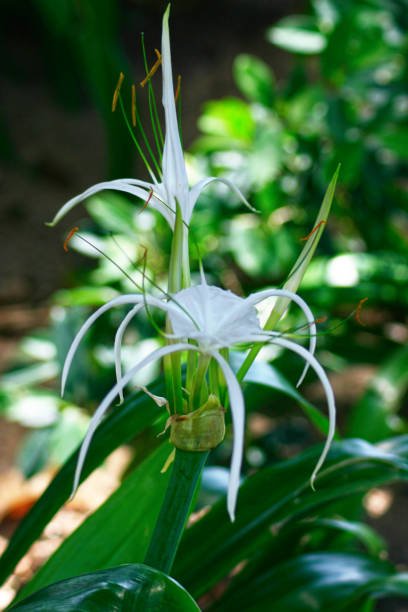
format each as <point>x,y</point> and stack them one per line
<point>200,430</point>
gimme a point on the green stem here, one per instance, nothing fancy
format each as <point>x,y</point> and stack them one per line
<point>185,473</point>
<point>172,363</point>
<point>199,383</point>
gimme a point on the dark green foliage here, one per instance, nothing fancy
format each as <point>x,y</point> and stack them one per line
<point>128,587</point>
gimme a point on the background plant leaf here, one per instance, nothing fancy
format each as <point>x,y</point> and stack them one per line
<point>128,587</point>
<point>278,495</point>
<point>118,532</point>
<point>136,414</point>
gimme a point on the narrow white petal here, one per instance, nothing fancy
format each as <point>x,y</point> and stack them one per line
<point>116,185</point>
<point>118,343</point>
<point>312,361</point>
<point>238,419</point>
<point>138,182</point>
<point>174,169</point>
<point>255,298</point>
<point>197,189</point>
<point>119,301</point>
<point>107,401</point>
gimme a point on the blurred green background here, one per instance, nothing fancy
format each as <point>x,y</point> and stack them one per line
<point>274,96</point>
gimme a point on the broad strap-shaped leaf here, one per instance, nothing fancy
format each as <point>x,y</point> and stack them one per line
<point>118,532</point>
<point>120,589</point>
<point>275,496</point>
<point>309,536</point>
<point>319,581</point>
<point>123,423</point>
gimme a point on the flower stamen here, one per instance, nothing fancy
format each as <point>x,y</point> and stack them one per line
<point>153,69</point>
<point>117,91</point>
<point>134,114</point>
<point>146,204</point>
<point>178,88</point>
<point>71,234</point>
<point>310,234</point>
<point>357,314</point>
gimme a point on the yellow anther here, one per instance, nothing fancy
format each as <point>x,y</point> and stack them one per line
<point>134,115</point>
<point>153,69</point>
<point>117,91</point>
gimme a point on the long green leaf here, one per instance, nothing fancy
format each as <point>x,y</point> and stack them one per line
<point>137,413</point>
<point>120,589</point>
<point>307,537</point>
<point>118,532</point>
<point>319,581</point>
<point>298,270</point>
<point>275,496</point>
<point>363,533</point>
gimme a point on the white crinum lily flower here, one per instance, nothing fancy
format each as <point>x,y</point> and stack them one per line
<point>173,189</point>
<point>207,319</point>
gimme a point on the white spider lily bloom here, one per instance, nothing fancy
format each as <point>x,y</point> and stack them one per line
<point>213,319</point>
<point>173,188</point>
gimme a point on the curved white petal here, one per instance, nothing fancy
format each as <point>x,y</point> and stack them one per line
<point>119,301</point>
<point>174,170</point>
<point>141,191</point>
<point>162,204</point>
<point>107,401</point>
<point>238,420</point>
<point>197,189</point>
<point>118,343</point>
<point>312,361</point>
<point>255,298</point>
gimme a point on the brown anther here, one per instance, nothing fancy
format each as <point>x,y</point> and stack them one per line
<point>144,256</point>
<point>149,197</point>
<point>358,311</point>
<point>69,237</point>
<point>321,320</point>
<point>117,91</point>
<point>178,88</point>
<point>153,69</point>
<point>134,115</point>
<point>313,230</point>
